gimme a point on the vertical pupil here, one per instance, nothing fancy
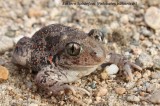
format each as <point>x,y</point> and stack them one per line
<point>72,49</point>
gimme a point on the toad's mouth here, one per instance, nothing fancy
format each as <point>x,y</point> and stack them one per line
<point>80,67</point>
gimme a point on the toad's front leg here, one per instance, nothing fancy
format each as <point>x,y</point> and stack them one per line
<point>123,64</point>
<point>22,52</point>
<point>55,81</point>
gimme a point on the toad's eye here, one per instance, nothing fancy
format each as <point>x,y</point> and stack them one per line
<point>73,49</point>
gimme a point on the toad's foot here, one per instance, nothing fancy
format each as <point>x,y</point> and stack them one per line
<point>124,64</point>
<point>22,51</point>
<point>54,83</point>
<point>65,88</point>
<point>72,88</point>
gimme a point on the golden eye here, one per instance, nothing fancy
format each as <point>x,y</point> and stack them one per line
<point>73,49</point>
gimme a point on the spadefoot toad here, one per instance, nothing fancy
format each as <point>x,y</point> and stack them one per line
<point>62,54</point>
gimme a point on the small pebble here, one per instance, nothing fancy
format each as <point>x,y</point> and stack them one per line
<point>152,17</point>
<point>98,99</point>
<point>33,104</point>
<point>151,88</point>
<point>135,89</point>
<point>57,2</point>
<point>104,75</point>
<point>153,52</point>
<point>156,61</point>
<point>124,19</point>
<point>114,25</point>
<point>155,97</point>
<point>62,103</point>
<point>137,74</point>
<point>3,73</point>
<point>136,36</point>
<point>155,75</point>
<point>29,84</point>
<point>54,13</point>
<point>136,50</point>
<point>154,81</point>
<point>35,12</point>
<point>153,2</point>
<point>147,74</point>
<point>142,93</point>
<point>120,90</point>
<point>133,98</point>
<point>10,33</point>
<point>129,85</point>
<point>101,92</point>
<point>144,103</point>
<point>146,32</point>
<point>112,69</point>
<point>2,61</point>
<point>144,60</point>
<point>147,43</point>
<point>93,85</point>
<point>6,43</point>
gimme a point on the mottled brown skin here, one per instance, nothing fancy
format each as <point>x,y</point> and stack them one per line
<point>62,54</point>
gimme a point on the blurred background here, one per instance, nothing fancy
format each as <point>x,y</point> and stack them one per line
<point>24,18</point>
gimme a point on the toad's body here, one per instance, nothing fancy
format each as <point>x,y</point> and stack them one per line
<point>61,54</point>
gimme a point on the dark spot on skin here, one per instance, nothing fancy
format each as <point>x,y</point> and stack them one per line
<point>43,79</point>
<point>85,59</point>
<point>52,84</point>
<point>48,62</point>
<point>46,73</point>
<point>55,59</point>
<point>17,49</point>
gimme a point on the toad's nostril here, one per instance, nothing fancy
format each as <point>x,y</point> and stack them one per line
<point>95,53</point>
<point>99,54</point>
